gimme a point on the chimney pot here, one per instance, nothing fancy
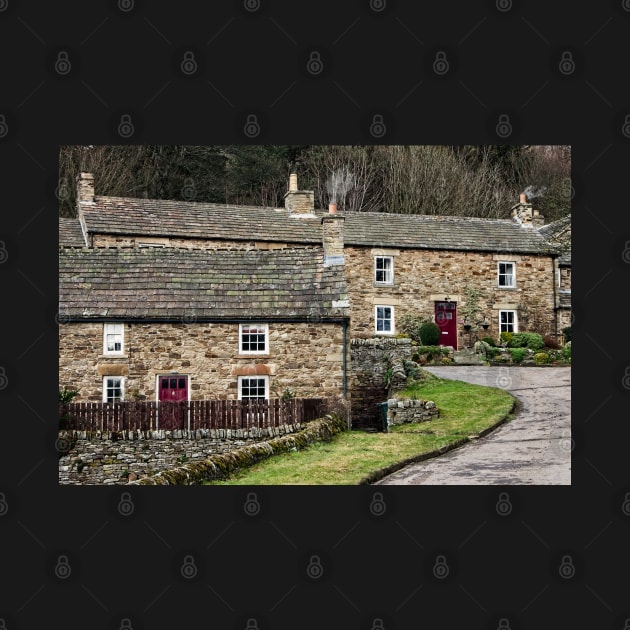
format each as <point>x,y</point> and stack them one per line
<point>523,198</point>
<point>332,208</point>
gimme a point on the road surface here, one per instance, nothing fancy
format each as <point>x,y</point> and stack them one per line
<point>532,449</point>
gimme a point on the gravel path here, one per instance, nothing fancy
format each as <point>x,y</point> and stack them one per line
<point>532,449</point>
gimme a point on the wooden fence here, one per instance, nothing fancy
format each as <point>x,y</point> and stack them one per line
<point>188,415</point>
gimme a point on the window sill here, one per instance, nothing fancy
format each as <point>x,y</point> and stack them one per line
<point>113,356</point>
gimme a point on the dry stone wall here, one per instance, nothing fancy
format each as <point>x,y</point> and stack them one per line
<point>404,411</point>
<point>117,459</point>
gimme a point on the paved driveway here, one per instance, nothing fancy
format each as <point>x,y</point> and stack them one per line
<point>532,449</point>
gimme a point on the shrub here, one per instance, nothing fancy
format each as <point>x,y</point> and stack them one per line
<point>490,341</point>
<point>412,369</point>
<point>533,341</point>
<point>518,354</point>
<point>409,325</point>
<point>507,337</point>
<point>551,343</point>
<point>67,395</point>
<point>567,334</point>
<point>566,351</point>
<point>429,334</point>
<point>541,358</point>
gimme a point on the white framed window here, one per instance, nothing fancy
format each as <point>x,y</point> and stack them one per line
<point>507,274</point>
<point>113,389</point>
<point>253,339</point>
<point>113,338</point>
<point>508,322</point>
<point>384,269</point>
<point>253,387</point>
<point>384,320</point>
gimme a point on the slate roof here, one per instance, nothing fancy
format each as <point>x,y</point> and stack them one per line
<point>70,234</point>
<point>558,234</point>
<point>150,217</point>
<point>192,285</point>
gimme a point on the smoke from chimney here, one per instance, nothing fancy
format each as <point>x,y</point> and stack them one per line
<point>340,182</point>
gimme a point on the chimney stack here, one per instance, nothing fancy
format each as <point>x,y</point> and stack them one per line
<point>332,240</point>
<point>85,188</point>
<point>300,203</point>
<point>522,211</point>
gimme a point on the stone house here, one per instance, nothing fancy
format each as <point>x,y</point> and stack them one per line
<point>150,287</point>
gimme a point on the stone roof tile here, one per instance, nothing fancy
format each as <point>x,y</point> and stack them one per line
<point>150,217</point>
<point>174,283</point>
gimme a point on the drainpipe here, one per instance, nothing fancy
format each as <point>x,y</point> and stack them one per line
<point>345,358</point>
<point>556,299</point>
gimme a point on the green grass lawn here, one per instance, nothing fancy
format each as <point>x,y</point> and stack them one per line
<point>465,410</point>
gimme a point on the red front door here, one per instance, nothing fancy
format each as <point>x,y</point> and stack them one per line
<point>446,319</point>
<point>172,389</point>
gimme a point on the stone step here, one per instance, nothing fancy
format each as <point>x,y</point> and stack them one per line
<point>467,357</point>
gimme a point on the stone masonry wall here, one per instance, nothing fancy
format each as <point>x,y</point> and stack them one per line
<point>304,357</point>
<point>102,460</point>
<point>403,411</point>
<point>370,359</point>
<point>421,277</point>
<point>123,240</point>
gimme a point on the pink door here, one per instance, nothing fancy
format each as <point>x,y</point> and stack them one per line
<point>446,319</point>
<point>172,390</point>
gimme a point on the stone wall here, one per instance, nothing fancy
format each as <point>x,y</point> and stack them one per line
<point>304,357</point>
<point>104,460</point>
<point>403,411</point>
<point>422,277</point>
<point>123,240</point>
<point>368,386</point>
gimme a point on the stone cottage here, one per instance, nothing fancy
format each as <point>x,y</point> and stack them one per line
<point>238,300</point>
